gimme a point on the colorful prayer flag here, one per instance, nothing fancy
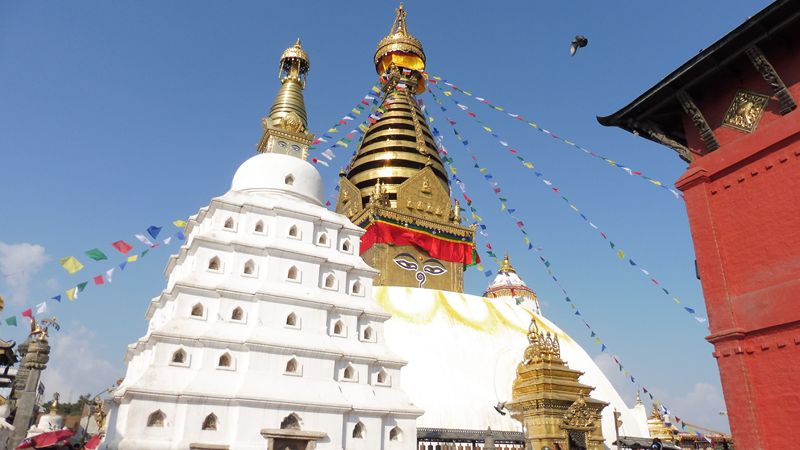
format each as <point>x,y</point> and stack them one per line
<point>41,308</point>
<point>179,223</point>
<point>72,294</point>
<point>133,258</point>
<point>27,313</point>
<point>57,298</point>
<point>12,321</point>
<point>96,254</point>
<point>71,264</point>
<point>153,231</point>
<point>99,279</point>
<point>123,247</point>
<point>82,286</point>
<point>143,239</point>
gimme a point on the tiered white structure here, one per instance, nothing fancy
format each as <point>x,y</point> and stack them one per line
<point>267,335</point>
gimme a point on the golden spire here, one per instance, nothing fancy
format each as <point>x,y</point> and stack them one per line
<point>289,105</point>
<point>287,118</point>
<point>506,265</point>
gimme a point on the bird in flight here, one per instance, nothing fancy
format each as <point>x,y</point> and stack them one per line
<point>578,42</point>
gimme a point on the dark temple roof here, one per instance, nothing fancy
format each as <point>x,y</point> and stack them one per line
<point>658,104</point>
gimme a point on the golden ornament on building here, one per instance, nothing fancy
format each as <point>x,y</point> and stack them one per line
<point>745,110</point>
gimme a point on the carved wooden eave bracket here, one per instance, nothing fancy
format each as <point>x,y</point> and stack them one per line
<point>699,121</point>
<point>772,78</point>
<point>655,133</point>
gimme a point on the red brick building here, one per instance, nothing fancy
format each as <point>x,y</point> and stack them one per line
<point>731,113</point>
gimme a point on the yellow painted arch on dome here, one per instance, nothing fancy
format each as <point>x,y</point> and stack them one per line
<point>479,313</point>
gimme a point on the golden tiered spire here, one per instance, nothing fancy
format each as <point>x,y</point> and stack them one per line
<point>398,176</point>
<point>400,144</point>
<point>287,118</point>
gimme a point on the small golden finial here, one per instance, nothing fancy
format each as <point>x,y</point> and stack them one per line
<point>506,265</point>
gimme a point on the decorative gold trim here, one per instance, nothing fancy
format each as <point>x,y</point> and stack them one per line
<point>745,110</point>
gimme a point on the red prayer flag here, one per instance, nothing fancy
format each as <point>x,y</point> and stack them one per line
<point>98,279</point>
<point>27,313</point>
<point>122,246</point>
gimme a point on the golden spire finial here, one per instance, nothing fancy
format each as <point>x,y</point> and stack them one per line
<point>399,47</point>
<point>506,265</point>
<point>399,25</point>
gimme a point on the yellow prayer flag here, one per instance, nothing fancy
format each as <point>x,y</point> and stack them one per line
<point>656,182</point>
<point>487,129</point>
<point>71,264</point>
<point>332,130</point>
<point>528,165</point>
<point>179,223</point>
<point>476,217</point>
<point>533,125</point>
<point>453,169</point>
<point>72,294</point>
<point>448,93</point>
<point>467,93</point>
<point>133,258</point>
<point>621,254</point>
<point>676,300</point>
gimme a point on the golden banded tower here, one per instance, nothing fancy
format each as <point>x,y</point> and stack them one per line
<point>396,186</point>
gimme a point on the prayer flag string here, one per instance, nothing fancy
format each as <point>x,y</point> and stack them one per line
<point>371,98</point>
<point>105,276</point>
<point>546,262</point>
<point>483,231</point>
<point>614,247</point>
<point>435,80</point>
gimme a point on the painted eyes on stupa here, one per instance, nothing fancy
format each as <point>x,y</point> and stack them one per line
<point>434,268</point>
<point>296,148</point>
<point>406,261</point>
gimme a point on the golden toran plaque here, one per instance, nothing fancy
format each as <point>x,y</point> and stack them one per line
<point>745,110</point>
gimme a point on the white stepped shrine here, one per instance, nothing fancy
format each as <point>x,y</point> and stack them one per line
<point>267,334</point>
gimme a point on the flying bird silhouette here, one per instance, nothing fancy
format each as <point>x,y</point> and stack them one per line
<point>578,42</point>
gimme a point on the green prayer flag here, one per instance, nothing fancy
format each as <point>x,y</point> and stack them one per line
<point>96,254</point>
<point>12,321</point>
<point>144,253</point>
<point>82,286</point>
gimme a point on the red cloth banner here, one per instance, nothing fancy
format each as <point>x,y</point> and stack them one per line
<point>384,233</point>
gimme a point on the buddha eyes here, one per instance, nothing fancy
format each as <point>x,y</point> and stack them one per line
<point>434,270</point>
<point>407,265</point>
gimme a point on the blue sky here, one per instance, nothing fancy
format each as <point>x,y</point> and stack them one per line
<point>119,115</point>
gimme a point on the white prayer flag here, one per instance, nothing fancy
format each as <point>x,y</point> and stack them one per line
<point>143,239</point>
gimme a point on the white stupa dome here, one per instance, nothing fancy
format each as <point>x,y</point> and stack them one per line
<point>282,174</point>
